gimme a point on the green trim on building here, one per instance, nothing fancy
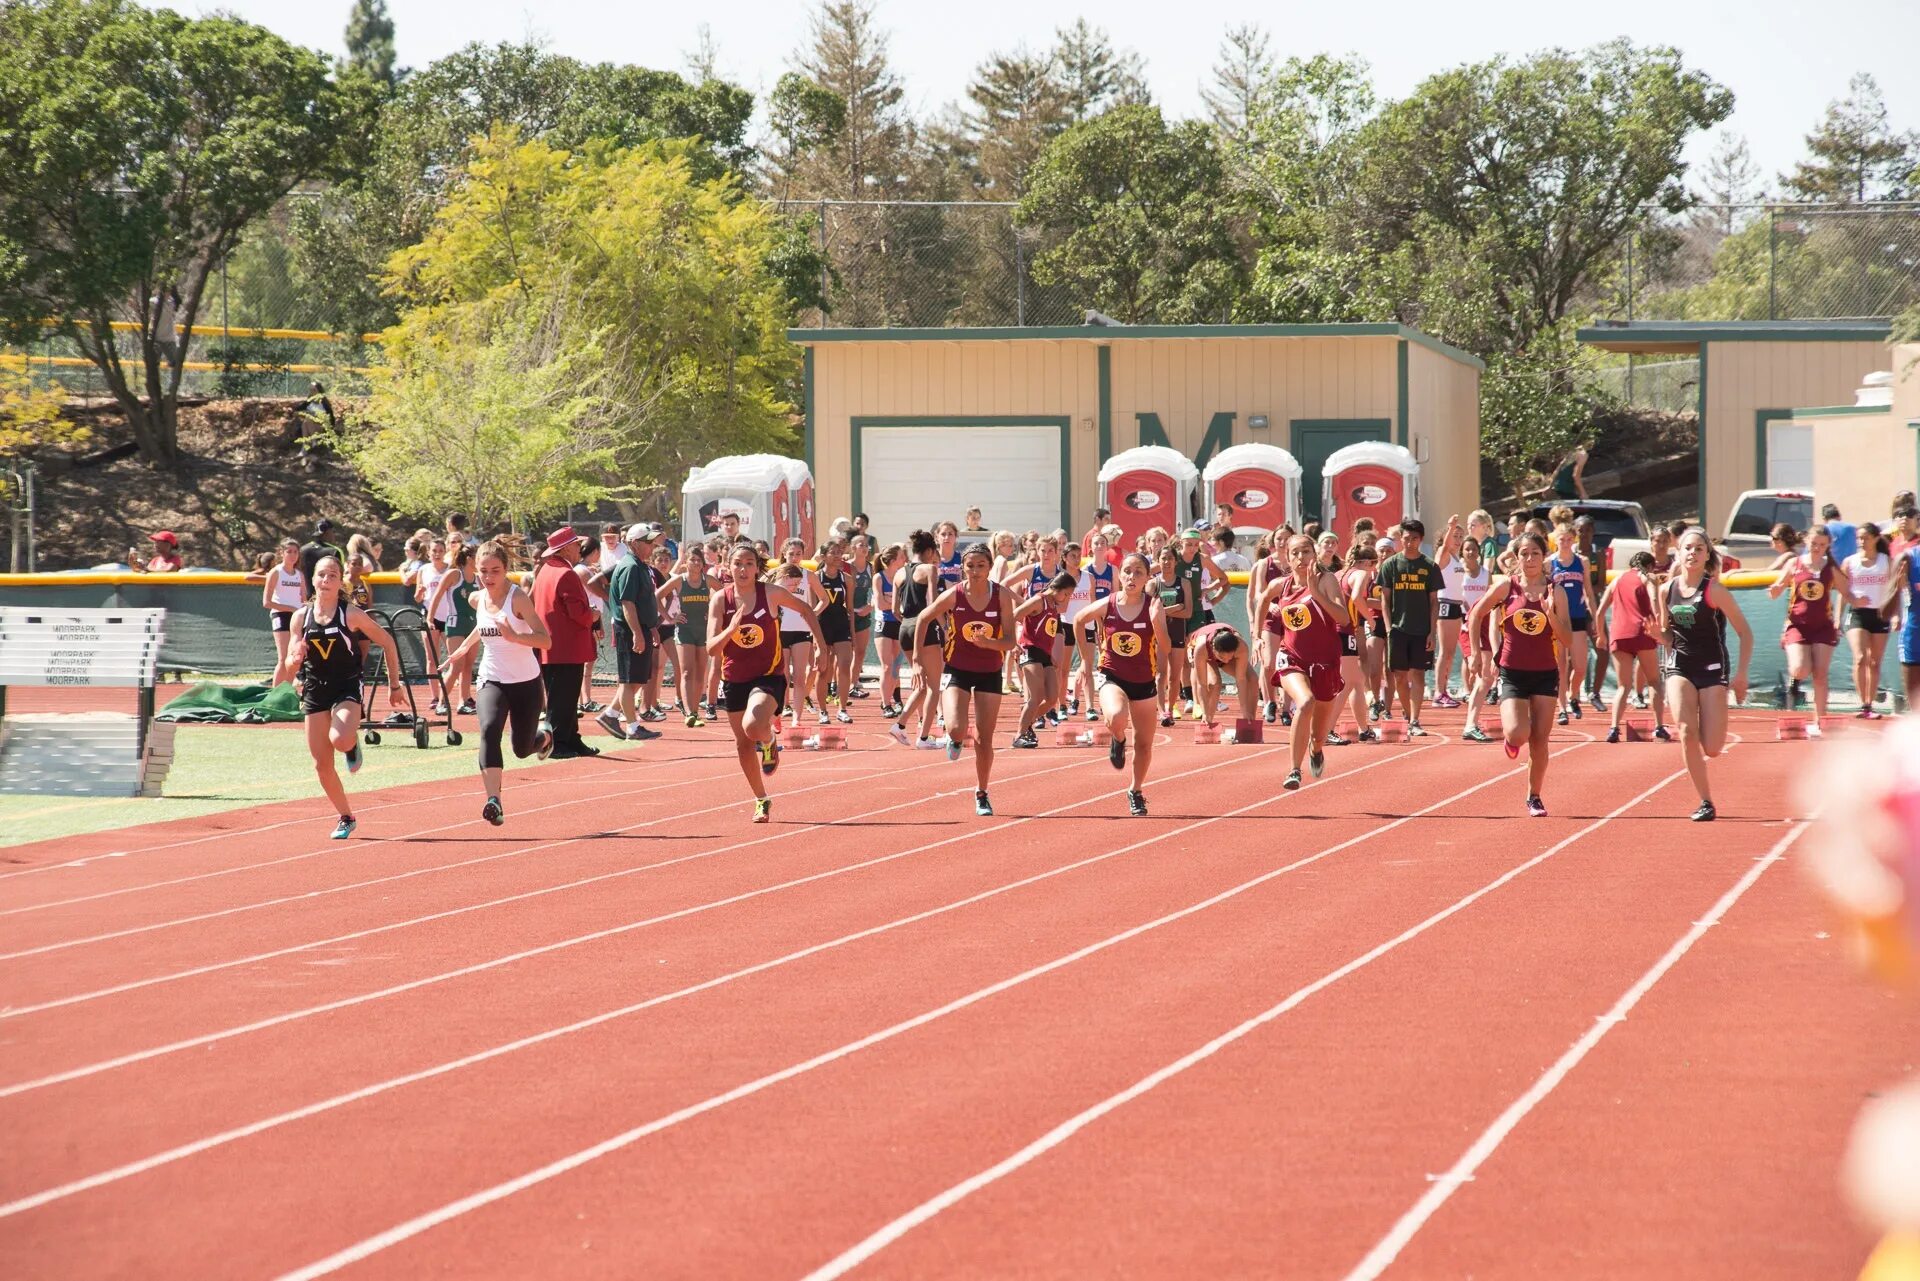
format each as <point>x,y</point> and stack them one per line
<point>860,423</point>
<point>1761,417</point>
<point>808,422</point>
<point>1104,361</point>
<point>1400,394</point>
<point>1151,431</point>
<point>1111,333</point>
<point>1700,424</point>
<point>1839,411</point>
<point>1738,331</point>
<point>1219,436</point>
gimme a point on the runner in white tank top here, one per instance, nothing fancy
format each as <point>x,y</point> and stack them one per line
<point>508,634</point>
<point>284,592</point>
<point>501,661</point>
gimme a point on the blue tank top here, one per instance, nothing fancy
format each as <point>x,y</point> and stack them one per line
<point>1910,626</point>
<point>1571,579</point>
<point>950,570</point>
<point>1038,578</point>
<point>883,583</point>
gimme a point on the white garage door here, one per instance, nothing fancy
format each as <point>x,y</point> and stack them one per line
<point>911,477</point>
<point>1789,456</point>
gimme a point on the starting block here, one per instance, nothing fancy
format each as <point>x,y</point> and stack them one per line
<point>1206,733</point>
<point>793,736</point>
<point>1094,734</point>
<point>1246,731</point>
<point>1391,731</point>
<point>1790,727</point>
<point>830,738</point>
<point>1638,730</point>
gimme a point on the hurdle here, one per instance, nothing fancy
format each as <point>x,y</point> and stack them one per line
<point>88,753</point>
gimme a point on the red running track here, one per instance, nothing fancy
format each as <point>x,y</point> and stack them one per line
<point>1380,1026</point>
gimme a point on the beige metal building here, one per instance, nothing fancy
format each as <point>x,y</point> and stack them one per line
<point>913,424</point>
<point>1753,375</point>
<point>1863,453</point>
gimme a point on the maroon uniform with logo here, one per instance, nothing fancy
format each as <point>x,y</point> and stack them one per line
<point>1127,651</point>
<point>971,625</point>
<point>1309,641</point>
<point>1810,604</point>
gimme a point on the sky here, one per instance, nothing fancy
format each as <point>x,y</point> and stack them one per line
<point>1785,60</point>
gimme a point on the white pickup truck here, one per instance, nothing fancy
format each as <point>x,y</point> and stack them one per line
<point>1746,538</point>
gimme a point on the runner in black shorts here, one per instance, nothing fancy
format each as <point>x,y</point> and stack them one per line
<point>1178,597</point>
<point>1693,609</point>
<point>325,655</point>
<point>913,590</point>
<point>1530,621</point>
<point>980,633</point>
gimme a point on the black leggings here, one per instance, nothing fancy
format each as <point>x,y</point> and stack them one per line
<point>523,701</point>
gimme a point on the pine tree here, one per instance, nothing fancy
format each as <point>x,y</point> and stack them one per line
<point>847,55</point>
<point>1093,75</point>
<point>1240,80</point>
<point>1855,155</point>
<point>1731,179</point>
<point>703,60</point>
<point>370,40</point>
<point>1018,106</point>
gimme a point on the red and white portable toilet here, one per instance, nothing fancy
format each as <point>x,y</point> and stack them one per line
<point>800,492</point>
<point>1148,486</point>
<point>1369,478</point>
<point>753,487</point>
<point>1261,483</point>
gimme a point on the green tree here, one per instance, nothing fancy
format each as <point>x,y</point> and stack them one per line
<point>1854,154</point>
<point>803,117</point>
<point>1017,105</point>
<point>31,417</point>
<point>1095,75</point>
<point>1536,405</point>
<point>1240,79</point>
<point>866,158</point>
<point>138,146</point>
<point>370,41</point>
<point>1138,213</point>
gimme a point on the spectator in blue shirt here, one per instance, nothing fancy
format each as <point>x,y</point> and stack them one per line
<point>1845,536</point>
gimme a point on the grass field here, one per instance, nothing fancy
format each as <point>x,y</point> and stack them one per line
<point>227,767</point>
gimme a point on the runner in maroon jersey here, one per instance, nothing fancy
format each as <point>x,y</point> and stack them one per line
<point>1217,648</point>
<point>1301,607</point>
<point>1531,617</point>
<point>1043,678</point>
<point>978,640</point>
<point>1811,633</point>
<point>1133,635</point>
<point>743,630</point>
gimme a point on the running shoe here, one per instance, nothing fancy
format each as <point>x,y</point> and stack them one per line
<point>769,755</point>
<point>1166,722</point>
<point>1536,808</point>
<point>1416,730</point>
<point>467,707</point>
<point>982,806</point>
<point>824,718</point>
<point>1137,804</point>
<point>1706,813</point>
<point>1813,729</point>
<point>344,828</point>
<point>1377,709</point>
<point>1317,763</point>
<point>543,746</point>
<point>1335,740</point>
<point>1117,752</point>
<point>609,721</point>
<point>1662,733</point>
<point>1578,711</point>
<point>493,812</point>
<point>1272,712</point>
<point>954,747</point>
<point>930,744</point>
<point>588,706</point>
<point>638,733</point>
<point>1025,740</point>
<point>694,722</point>
<point>762,809</point>
<point>1561,719</point>
<point>1186,695</point>
<point>1369,735</point>
<point>898,733</point>
<point>1293,781</point>
<point>1444,699</point>
<point>353,756</point>
<point>654,714</point>
<point>1598,706</point>
<point>1092,715</point>
<point>1512,749</point>
<point>859,691</point>
<point>1474,734</point>
<point>844,716</point>
<point>1286,714</point>
<point>1613,735</point>
<point>709,711</point>
<point>1186,708</point>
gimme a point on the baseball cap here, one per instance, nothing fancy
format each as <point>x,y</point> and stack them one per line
<point>165,536</point>
<point>646,530</point>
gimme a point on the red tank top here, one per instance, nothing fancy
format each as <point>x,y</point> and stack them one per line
<point>1039,629</point>
<point>971,625</point>
<point>1272,621</point>
<point>1526,631</point>
<point>1808,609</point>
<point>1631,607</point>
<point>754,650</point>
<point>1306,632</point>
<point>1126,645</point>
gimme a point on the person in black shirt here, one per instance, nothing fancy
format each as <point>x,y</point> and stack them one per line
<point>320,545</point>
<point>1409,586</point>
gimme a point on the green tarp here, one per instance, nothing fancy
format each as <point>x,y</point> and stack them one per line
<point>211,704</point>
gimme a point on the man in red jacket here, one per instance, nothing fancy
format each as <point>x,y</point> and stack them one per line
<point>561,601</point>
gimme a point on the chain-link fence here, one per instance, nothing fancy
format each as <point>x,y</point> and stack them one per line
<point>1669,385</point>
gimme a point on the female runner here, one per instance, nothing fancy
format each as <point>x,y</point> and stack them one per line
<point>1170,590</point>
<point>885,567</point>
<point>1569,574</point>
<point>1301,608</point>
<point>743,630</point>
<point>1453,608</point>
<point>1869,573</point>
<point>796,643</point>
<point>835,675</point>
<point>441,611</point>
<point>1266,567</point>
<point>1531,616</point>
<point>1476,679</point>
<point>860,600</point>
<point>1214,648</point>
<point>1692,610</point>
<point>508,631</point>
<point>914,589</point>
<point>1627,610</point>
<point>1039,617</point>
<point>977,642</point>
<point>1810,634</point>
<point>692,593</point>
<point>1096,584</point>
<point>325,656</point>
<point>284,592</point>
<point>1132,638</point>
<point>1363,562</point>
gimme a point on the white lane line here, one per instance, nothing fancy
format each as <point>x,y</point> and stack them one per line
<point>554,1169</point>
<point>198,1146</point>
<point>17,1011</point>
<point>306,896</point>
<point>208,1038</point>
<point>1381,1257</point>
<point>852,1258</point>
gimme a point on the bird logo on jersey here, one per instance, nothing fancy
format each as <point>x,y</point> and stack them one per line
<point>1125,644</point>
<point>749,636</point>
<point>978,631</point>
<point>1296,617</point>
<point>1529,622</point>
<point>1051,627</point>
<point>1812,589</point>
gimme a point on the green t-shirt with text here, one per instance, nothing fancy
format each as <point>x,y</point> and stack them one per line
<point>1407,588</point>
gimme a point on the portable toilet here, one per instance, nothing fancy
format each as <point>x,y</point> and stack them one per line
<point>752,486</point>
<point>1148,486</point>
<point>1261,483</point>
<point>800,493</point>
<point>1369,478</point>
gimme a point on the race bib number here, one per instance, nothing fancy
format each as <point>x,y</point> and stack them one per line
<point>1529,622</point>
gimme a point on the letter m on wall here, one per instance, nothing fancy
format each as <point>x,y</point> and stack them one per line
<point>1219,435</point>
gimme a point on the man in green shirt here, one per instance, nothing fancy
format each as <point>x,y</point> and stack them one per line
<point>1410,598</point>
